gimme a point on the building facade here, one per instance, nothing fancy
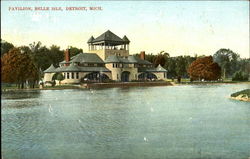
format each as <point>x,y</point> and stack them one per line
<point>107,59</point>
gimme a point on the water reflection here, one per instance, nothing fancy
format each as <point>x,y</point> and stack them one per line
<point>20,94</point>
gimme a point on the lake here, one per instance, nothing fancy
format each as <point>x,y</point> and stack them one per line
<point>171,122</point>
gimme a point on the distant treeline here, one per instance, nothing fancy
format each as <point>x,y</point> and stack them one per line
<point>229,61</point>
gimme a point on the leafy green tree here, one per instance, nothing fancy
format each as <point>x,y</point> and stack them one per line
<point>171,67</point>
<point>228,61</point>
<point>244,65</point>
<point>56,55</point>
<point>58,76</point>
<point>161,58</point>
<point>149,57</point>
<point>181,68</point>
<point>240,76</point>
<point>5,47</point>
<point>42,57</point>
<point>74,51</point>
<point>45,56</point>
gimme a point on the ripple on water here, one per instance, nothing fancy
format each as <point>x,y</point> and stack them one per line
<point>155,122</point>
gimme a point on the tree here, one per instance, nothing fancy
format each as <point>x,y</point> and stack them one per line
<point>204,68</point>
<point>228,61</point>
<point>181,64</point>
<point>74,51</point>
<point>149,57</point>
<point>177,66</point>
<point>244,65</point>
<point>171,67</point>
<point>240,76</point>
<point>56,55</point>
<point>5,47</point>
<point>41,55</point>
<point>18,67</point>
<point>161,59</point>
<point>59,77</point>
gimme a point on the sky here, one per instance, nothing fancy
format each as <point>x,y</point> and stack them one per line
<point>176,27</point>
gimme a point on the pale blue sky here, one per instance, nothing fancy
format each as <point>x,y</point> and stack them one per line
<point>178,27</point>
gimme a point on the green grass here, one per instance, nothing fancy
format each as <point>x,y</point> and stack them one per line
<point>14,87</point>
<point>187,81</point>
<point>246,91</point>
<point>61,86</point>
<point>9,87</point>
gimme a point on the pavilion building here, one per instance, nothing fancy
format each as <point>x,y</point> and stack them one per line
<point>107,59</point>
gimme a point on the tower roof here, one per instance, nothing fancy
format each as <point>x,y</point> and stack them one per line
<point>125,39</point>
<point>109,37</point>
<point>91,39</point>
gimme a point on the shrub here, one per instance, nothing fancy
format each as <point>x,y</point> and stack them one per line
<point>240,76</point>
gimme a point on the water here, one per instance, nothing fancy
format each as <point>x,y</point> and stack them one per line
<point>175,122</point>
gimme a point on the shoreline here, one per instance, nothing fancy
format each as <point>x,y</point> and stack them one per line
<point>119,85</point>
<point>125,84</point>
<point>229,82</point>
<point>240,99</point>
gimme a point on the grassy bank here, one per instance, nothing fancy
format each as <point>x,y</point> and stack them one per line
<point>243,95</point>
<point>126,84</point>
<point>119,84</point>
<point>246,92</point>
<point>62,87</point>
<point>58,87</point>
<point>226,81</point>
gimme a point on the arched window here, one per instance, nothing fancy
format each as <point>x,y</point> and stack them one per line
<point>95,77</point>
<point>147,76</point>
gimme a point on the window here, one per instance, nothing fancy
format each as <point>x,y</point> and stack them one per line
<point>117,76</point>
<point>72,75</point>
<point>135,76</point>
<point>77,75</point>
<point>115,65</point>
<point>165,75</point>
<point>67,75</point>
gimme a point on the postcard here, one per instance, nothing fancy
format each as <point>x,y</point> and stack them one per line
<point>125,79</point>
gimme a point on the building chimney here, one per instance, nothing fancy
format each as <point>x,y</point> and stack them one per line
<point>142,55</point>
<point>67,56</point>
